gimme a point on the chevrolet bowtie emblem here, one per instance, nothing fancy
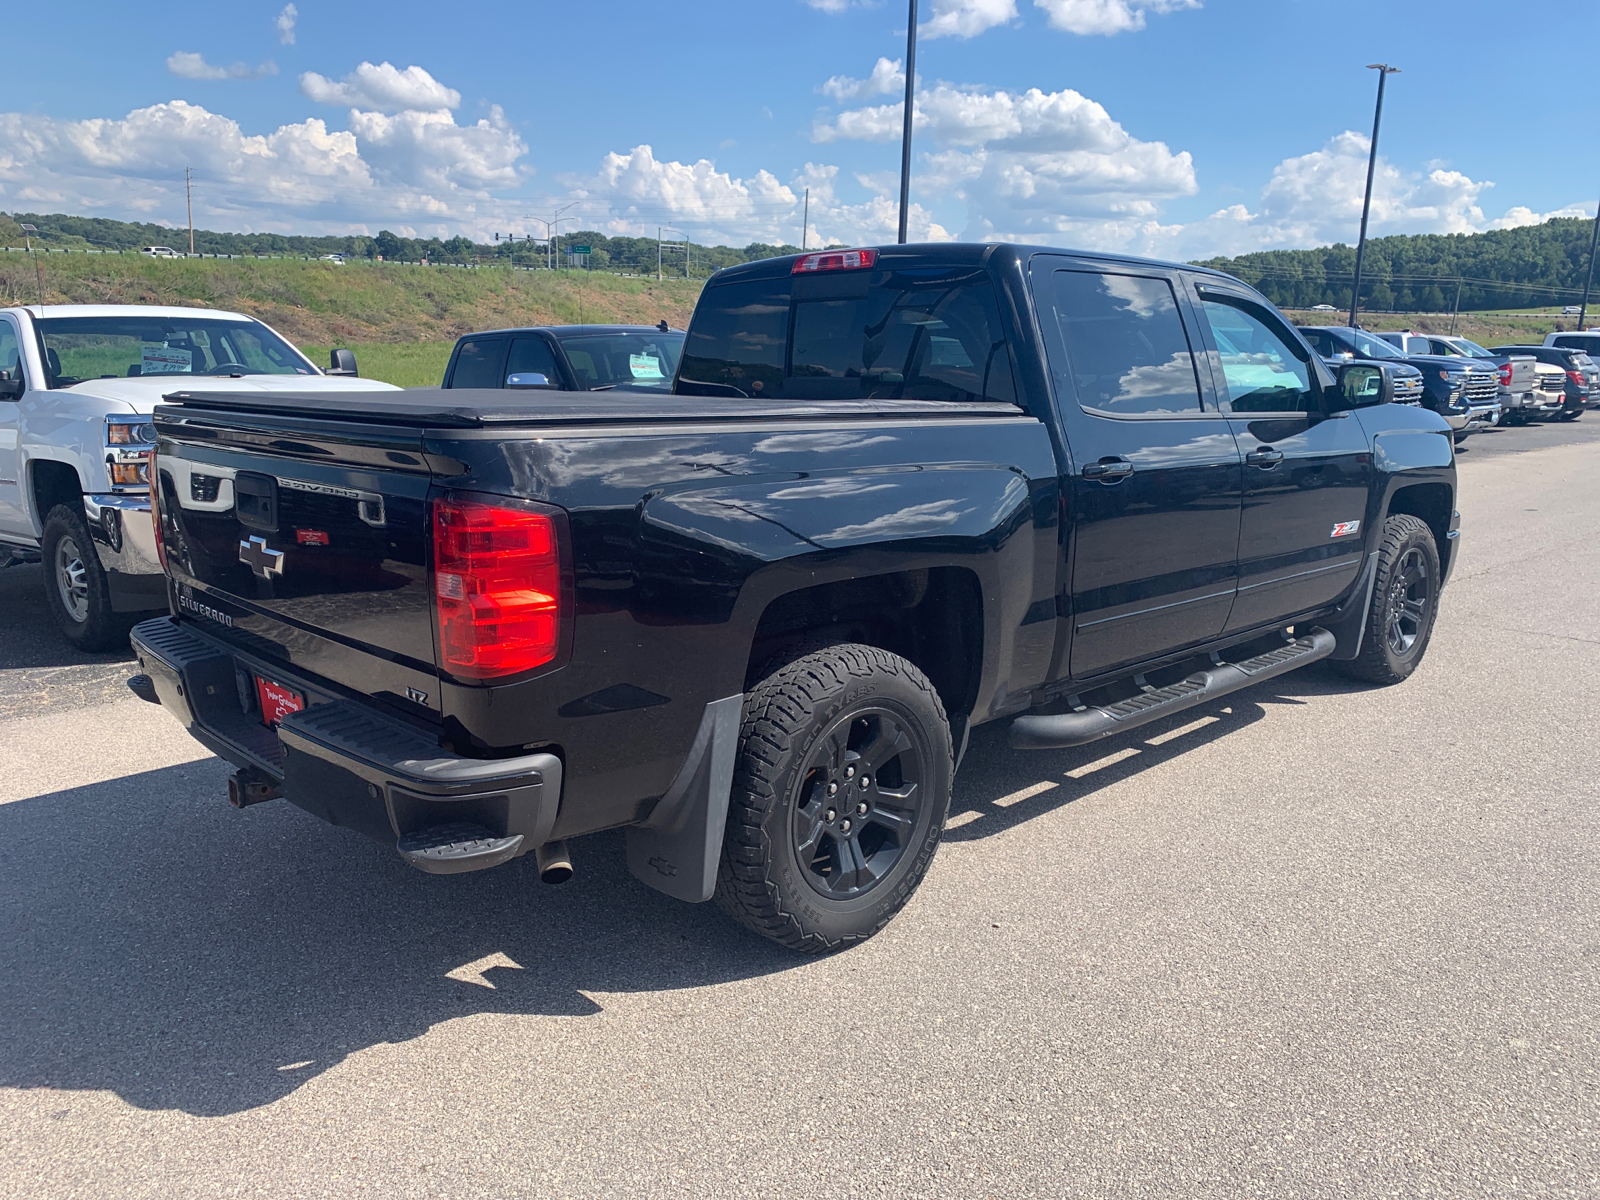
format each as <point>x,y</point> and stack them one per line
<point>255,554</point>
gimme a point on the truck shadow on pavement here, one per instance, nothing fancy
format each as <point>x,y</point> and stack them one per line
<point>998,788</point>
<point>161,945</point>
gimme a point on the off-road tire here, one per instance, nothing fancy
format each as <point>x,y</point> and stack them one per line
<point>1407,543</point>
<point>788,716</point>
<point>87,621</point>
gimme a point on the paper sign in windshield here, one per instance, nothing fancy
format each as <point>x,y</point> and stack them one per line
<point>645,366</point>
<point>159,360</point>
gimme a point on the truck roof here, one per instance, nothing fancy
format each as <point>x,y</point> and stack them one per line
<point>977,253</point>
<point>570,330</point>
<point>125,310</point>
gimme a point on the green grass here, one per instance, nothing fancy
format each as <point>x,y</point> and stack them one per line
<point>417,364</point>
<point>319,304</point>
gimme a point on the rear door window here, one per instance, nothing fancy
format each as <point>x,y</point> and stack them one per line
<point>1128,354</point>
<point>923,333</point>
<point>480,363</point>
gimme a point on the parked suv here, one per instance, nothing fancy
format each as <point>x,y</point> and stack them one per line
<point>1517,376</point>
<point>1588,341</point>
<point>896,492</point>
<point>1467,397</point>
<point>573,358</point>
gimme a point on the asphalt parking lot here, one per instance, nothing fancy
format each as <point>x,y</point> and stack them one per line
<point>1314,940</point>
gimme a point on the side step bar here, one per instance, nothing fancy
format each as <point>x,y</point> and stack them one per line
<point>1053,731</point>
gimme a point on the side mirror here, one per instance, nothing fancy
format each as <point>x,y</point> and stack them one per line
<point>10,389</point>
<point>342,362</point>
<point>1362,385</point>
<point>527,380</point>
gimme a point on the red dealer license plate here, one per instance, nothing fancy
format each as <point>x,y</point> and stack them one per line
<point>277,701</point>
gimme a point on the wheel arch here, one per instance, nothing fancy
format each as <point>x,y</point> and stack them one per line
<point>52,482</point>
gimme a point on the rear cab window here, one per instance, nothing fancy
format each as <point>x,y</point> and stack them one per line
<point>480,363</point>
<point>923,332</point>
<point>1126,349</point>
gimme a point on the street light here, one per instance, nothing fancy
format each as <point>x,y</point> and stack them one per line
<point>1588,279</point>
<point>1384,70</point>
<point>549,232</point>
<point>905,136</point>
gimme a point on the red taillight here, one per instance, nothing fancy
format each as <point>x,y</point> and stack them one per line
<point>155,510</point>
<point>1576,377</point>
<point>496,587</point>
<point>834,260</point>
<point>1505,375</point>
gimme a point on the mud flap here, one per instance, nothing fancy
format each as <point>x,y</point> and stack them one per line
<point>1350,622</point>
<point>676,850</point>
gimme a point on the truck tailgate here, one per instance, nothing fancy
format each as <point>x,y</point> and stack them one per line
<point>304,542</point>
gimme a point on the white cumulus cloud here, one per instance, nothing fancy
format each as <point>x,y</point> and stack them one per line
<point>284,24</point>
<point>1034,165</point>
<point>635,192</point>
<point>384,88</point>
<point>886,78</point>
<point>1106,17</point>
<point>188,65</point>
<point>398,170</point>
<point>967,18</point>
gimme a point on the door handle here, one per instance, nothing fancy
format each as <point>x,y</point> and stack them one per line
<point>1109,470</point>
<point>1264,457</point>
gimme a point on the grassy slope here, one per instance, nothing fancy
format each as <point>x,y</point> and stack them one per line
<point>1501,329</point>
<point>415,364</point>
<point>319,304</point>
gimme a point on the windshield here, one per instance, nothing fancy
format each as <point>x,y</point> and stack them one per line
<point>76,349</point>
<point>1470,348</point>
<point>1367,346</point>
<point>630,360</point>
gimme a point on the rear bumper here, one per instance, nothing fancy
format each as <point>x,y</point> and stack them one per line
<point>340,759</point>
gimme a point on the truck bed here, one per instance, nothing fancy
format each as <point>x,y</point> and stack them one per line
<point>473,408</point>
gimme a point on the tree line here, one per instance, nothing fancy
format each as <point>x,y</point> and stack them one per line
<point>1505,268</point>
<point>634,255</point>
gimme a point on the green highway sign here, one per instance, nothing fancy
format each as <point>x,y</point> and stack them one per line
<point>578,250</point>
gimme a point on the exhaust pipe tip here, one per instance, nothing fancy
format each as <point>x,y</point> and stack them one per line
<point>554,863</point>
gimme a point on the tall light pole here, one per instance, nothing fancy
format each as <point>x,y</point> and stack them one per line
<point>1384,70</point>
<point>905,138</point>
<point>27,240</point>
<point>1594,239</point>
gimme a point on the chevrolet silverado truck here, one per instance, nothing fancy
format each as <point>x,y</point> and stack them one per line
<point>896,493</point>
<point>1517,374</point>
<point>77,385</point>
<point>1466,396</point>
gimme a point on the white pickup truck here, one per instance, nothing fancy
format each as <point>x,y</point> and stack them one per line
<point>77,385</point>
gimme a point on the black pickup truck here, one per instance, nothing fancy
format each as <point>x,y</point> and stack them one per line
<point>897,492</point>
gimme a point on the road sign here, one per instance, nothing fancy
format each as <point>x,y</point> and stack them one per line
<point>578,249</point>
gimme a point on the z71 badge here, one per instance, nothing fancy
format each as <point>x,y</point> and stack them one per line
<point>1346,529</point>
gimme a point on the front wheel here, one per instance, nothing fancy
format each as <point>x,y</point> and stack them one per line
<point>840,793</point>
<point>1405,599</point>
<point>75,584</point>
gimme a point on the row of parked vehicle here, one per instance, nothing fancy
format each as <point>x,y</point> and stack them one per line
<point>1473,387</point>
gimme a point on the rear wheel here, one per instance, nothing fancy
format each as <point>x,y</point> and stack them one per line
<point>1571,414</point>
<point>840,793</point>
<point>1405,599</point>
<point>75,584</point>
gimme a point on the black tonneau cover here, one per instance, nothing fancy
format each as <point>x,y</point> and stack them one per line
<point>469,408</point>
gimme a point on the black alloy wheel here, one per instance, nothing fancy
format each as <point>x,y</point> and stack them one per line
<point>1405,603</point>
<point>1409,604</point>
<point>857,807</point>
<point>840,791</point>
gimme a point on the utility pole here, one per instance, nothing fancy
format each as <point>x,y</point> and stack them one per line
<point>1455,312</point>
<point>188,195</point>
<point>1588,279</point>
<point>1384,70</point>
<point>805,220</point>
<point>905,137</point>
<point>27,240</point>
<point>658,254</point>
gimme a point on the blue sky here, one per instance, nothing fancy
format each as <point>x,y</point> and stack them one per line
<point>1181,128</point>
